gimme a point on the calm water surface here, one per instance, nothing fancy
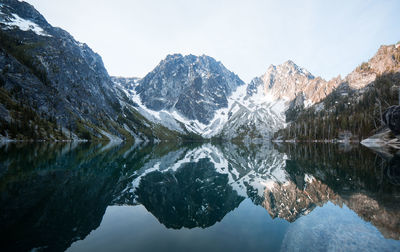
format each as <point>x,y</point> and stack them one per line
<point>198,197</point>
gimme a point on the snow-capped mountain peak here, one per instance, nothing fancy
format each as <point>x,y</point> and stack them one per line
<point>193,86</point>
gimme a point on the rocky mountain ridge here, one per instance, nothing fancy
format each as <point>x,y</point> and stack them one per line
<point>56,88</point>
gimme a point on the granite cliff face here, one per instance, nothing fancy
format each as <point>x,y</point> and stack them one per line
<point>386,60</point>
<point>56,74</point>
<point>284,81</point>
<point>194,87</point>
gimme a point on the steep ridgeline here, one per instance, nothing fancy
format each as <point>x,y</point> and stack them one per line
<point>353,110</point>
<point>54,87</point>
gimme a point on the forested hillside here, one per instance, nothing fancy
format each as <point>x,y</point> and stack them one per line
<point>346,113</point>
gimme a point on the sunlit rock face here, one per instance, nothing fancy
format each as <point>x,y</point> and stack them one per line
<point>284,81</point>
<point>385,60</point>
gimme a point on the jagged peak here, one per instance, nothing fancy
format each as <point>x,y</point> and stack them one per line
<point>173,56</point>
<point>297,69</point>
<point>188,56</point>
<point>291,66</point>
<point>190,59</point>
<point>271,68</point>
<point>289,63</point>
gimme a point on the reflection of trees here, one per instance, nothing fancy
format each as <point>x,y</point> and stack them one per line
<point>365,182</point>
<point>393,170</point>
<point>355,169</point>
<point>53,194</point>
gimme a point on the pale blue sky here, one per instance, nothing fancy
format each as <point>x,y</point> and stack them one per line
<point>327,38</point>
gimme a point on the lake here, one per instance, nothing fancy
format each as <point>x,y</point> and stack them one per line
<point>198,197</point>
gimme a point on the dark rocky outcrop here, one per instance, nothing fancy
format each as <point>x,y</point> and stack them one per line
<point>391,117</point>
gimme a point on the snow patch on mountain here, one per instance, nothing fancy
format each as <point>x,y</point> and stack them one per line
<point>160,117</point>
<point>23,24</point>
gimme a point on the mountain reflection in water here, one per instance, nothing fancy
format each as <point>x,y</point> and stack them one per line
<point>270,197</point>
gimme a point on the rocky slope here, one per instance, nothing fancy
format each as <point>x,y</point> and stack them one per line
<point>54,87</point>
<point>386,60</point>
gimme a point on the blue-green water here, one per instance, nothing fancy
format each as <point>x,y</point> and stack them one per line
<point>198,197</point>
